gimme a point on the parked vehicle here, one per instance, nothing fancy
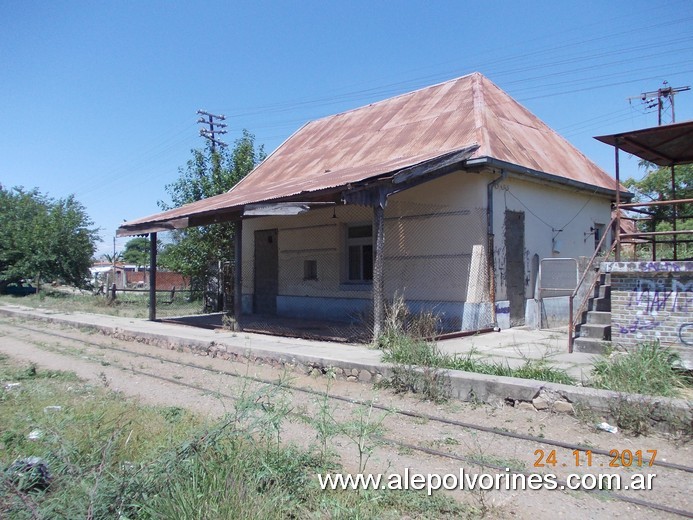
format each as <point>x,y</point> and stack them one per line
<point>20,289</point>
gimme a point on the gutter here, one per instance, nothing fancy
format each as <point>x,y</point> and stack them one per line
<point>536,174</point>
<point>490,245</point>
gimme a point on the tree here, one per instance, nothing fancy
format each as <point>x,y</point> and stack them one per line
<point>113,258</point>
<point>655,186</point>
<point>43,238</point>
<point>137,251</point>
<point>206,174</point>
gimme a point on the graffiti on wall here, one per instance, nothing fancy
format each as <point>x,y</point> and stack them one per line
<point>639,324</point>
<point>653,300</point>
<point>653,296</point>
<point>661,267</point>
<point>686,334</point>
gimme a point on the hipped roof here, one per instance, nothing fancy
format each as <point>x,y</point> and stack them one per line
<point>384,137</point>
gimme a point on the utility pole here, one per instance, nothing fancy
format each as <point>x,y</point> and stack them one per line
<point>114,261</point>
<point>214,129</point>
<point>660,98</point>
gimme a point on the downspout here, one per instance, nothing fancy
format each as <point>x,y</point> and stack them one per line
<point>490,245</point>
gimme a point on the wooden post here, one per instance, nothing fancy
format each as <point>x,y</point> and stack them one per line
<point>152,277</point>
<point>379,268</point>
<point>238,275</point>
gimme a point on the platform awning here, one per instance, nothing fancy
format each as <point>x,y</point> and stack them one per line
<point>665,145</point>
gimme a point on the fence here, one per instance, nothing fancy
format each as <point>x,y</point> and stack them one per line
<point>312,274</point>
<point>640,239</point>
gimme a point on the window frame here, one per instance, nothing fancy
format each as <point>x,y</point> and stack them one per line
<point>365,268</point>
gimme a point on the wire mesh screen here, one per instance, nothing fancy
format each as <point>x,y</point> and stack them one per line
<point>435,259</point>
<point>311,275</point>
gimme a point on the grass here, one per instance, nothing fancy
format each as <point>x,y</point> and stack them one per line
<point>419,365</point>
<point>649,369</point>
<point>401,349</point>
<point>111,457</point>
<point>128,304</point>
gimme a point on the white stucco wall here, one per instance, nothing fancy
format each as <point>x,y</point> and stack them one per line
<point>429,230</point>
<point>548,208</point>
<point>434,234</point>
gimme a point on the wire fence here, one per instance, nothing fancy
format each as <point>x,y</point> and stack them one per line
<point>312,275</point>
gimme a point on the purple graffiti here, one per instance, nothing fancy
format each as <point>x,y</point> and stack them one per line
<point>659,267</point>
<point>661,300</point>
<point>637,325</point>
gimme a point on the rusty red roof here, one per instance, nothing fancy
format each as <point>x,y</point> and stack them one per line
<point>664,145</point>
<point>396,133</point>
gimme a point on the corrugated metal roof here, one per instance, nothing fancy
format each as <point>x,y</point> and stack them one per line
<point>664,145</point>
<point>399,132</point>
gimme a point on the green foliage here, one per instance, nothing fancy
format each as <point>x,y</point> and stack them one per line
<point>137,251</point>
<point>649,369</point>
<point>43,238</point>
<point>207,174</point>
<point>112,458</point>
<point>656,186</point>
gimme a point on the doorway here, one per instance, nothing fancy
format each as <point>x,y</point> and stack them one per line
<point>266,272</point>
<point>515,265</point>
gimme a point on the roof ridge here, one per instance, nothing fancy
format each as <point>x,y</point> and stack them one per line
<point>410,93</point>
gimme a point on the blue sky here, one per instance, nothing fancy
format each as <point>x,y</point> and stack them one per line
<point>99,99</point>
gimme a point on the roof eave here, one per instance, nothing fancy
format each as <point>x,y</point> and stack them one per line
<point>557,179</point>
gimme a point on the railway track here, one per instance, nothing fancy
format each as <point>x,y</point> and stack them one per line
<point>577,450</point>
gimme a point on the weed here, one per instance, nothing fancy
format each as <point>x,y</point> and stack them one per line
<point>364,430</point>
<point>420,367</point>
<point>323,421</point>
<point>112,458</point>
<point>649,369</point>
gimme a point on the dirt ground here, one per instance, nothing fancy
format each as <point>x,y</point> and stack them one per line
<point>159,380</point>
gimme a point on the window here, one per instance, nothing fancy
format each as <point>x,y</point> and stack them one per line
<point>310,269</point>
<point>598,233</point>
<point>359,249</point>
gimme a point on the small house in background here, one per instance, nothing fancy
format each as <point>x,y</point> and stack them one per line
<point>454,198</point>
<point>130,276</point>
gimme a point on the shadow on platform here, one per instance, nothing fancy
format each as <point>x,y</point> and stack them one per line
<point>280,326</point>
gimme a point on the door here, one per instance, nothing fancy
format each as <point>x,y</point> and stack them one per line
<point>266,272</point>
<point>515,265</point>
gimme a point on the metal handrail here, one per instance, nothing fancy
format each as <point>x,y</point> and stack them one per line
<point>597,250</point>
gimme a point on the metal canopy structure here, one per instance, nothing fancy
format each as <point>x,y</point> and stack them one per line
<point>666,145</point>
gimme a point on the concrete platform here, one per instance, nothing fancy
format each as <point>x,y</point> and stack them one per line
<point>356,362</point>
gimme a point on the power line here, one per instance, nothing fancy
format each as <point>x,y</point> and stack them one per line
<point>660,98</point>
<point>215,128</point>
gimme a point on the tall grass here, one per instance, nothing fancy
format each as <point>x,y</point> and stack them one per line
<point>649,369</point>
<point>126,304</point>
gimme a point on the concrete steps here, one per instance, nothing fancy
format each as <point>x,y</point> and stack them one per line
<point>594,333</point>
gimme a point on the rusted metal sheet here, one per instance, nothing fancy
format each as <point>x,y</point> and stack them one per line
<point>665,145</point>
<point>382,138</point>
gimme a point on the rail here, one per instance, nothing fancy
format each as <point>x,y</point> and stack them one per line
<point>639,237</point>
<point>571,309</point>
